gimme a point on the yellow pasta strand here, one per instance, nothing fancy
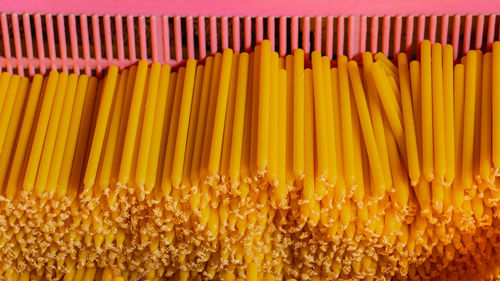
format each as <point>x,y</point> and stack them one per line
<point>495,85</point>
<point>193,119</point>
<point>51,134</point>
<point>109,153</point>
<point>147,126</point>
<point>133,123</point>
<point>345,111</point>
<point>330,123</point>
<point>14,122</point>
<point>290,118</point>
<point>486,113</point>
<point>62,134</point>
<point>340,188</point>
<point>4,86</point>
<point>382,58</point>
<point>166,182</point>
<point>183,126</point>
<point>366,127</point>
<point>247,145</point>
<point>449,114</point>
<point>458,96</point>
<point>41,129</point>
<point>200,127</point>
<point>320,117</point>
<point>263,111</point>
<point>281,190</point>
<point>468,128</point>
<point>298,113</point>
<point>395,89</point>
<point>100,130</point>
<point>272,171</point>
<point>417,106</point>
<point>400,178</point>
<point>228,124</point>
<point>438,113</point>
<point>7,107</point>
<point>24,136</point>
<point>73,175</point>
<point>308,190</point>
<point>477,117</point>
<point>426,106</point>
<point>357,193</point>
<point>158,132</point>
<point>207,142</point>
<point>220,115</point>
<point>378,124</point>
<point>239,117</point>
<point>389,103</point>
<point>408,120</point>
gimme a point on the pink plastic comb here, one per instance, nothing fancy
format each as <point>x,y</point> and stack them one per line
<point>76,36</point>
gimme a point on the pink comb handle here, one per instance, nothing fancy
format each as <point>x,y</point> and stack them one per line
<point>254,8</point>
<point>104,40</point>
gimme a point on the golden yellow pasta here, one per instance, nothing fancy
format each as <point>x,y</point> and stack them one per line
<point>252,166</point>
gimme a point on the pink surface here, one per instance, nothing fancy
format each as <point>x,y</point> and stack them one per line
<point>58,42</point>
<point>254,8</point>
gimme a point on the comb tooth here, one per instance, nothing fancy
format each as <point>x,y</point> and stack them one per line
<point>61,33</point>
<point>74,43</point>
<point>467,33</point>
<point>386,34</point>
<point>283,37</point>
<point>6,42</point>
<point>85,44</point>
<point>189,37</point>
<point>374,35</point>
<point>108,45</point>
<point>398,31</point>
<point>131,38</point>
<point>270,31</point>
<point>363,33</point>
<point>329,37</point>
<point>456,35</point>
<point>143,43</point>
<point>97,43</point>
<point>51,41</point>
<point>420,32</point>
<point>295,33</point>
<point>340,36</point>
<point>29,43</point>
<point>432,28</point>
<point>479,32</point>
<point>39,43</point>
<point>120,53</point>
<point>259,30</point>
<point>224,33</point>
<point>154,38</point>
<point>491,32</point>
<point>409,35</point>
<point>306,38</point>
<point>236,34</point>
<point>444,29</point>
<point>248,33</point>
<point>213,35</point>
<point>352,29</point>
<point>317,33</point>
<point>166,37</point>
<point>17,44</point>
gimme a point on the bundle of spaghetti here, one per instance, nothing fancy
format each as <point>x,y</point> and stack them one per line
<point>251,166</point>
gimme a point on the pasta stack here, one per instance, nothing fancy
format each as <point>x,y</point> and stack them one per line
<point>251,166</point>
